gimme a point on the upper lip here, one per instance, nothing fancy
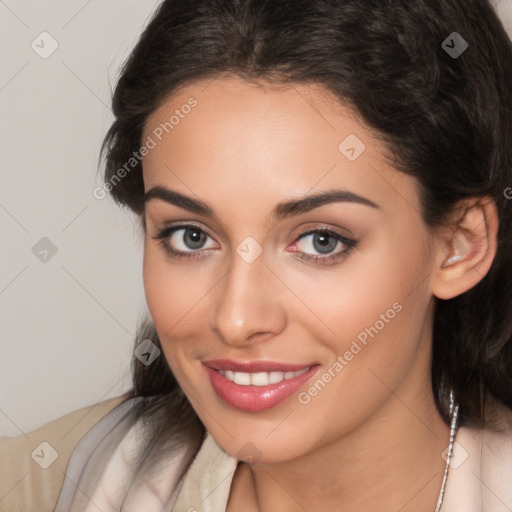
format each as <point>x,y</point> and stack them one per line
<point>255,366</point>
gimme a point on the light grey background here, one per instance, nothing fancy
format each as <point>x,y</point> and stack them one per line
<point>67,324</point>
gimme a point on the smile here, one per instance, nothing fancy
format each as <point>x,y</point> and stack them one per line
<point>257,390</point>
<point>260,378</point>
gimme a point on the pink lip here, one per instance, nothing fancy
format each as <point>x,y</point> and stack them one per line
<point>256,398</point>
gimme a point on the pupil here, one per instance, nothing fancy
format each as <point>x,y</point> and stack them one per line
<point>322,244</point>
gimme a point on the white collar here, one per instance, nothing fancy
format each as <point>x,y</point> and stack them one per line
<point>206,485</point>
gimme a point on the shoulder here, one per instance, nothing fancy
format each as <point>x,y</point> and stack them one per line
<point>496,467</point>
<point>32,465</point>
<point>481,467</point>
<point>103,470</point>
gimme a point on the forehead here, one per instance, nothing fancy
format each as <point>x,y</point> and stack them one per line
<point>237,141</point>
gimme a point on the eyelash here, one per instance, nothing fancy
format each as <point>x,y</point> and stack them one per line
<point>163,235</point>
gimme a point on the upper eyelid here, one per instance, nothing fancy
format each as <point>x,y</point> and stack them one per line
<point>345,240</point>
<point>153,217</point>
<point>162,226</point>
<point>184,225</point>
<point>322,226</point>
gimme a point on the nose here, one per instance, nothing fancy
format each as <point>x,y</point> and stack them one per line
<point>247,303</point>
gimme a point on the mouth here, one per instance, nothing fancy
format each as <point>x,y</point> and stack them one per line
<point>255,386</point>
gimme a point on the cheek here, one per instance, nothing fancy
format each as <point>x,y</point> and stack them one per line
<point>373,317</point>
<point>171,291</point>
<point>175,296</point>
<point>160,291</point>
<point>360,299</point>
<point>371,311</point>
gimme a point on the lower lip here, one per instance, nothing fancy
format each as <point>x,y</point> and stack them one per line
<point>256,398</point>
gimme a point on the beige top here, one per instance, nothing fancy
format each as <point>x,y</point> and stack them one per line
<point>101,470</point>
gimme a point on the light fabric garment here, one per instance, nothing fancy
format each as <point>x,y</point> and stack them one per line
<point>27,484</point>
<point>479,480</point>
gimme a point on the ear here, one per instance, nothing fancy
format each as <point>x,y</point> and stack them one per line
<point>466,248</point>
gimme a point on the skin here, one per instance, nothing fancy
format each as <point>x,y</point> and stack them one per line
<point>372,438</point>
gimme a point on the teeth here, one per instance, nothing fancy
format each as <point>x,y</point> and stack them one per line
<point>275,377</point>
<point>242,378</point>
<point>260,378</point>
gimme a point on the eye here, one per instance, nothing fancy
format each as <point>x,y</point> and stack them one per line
<point>186,240</point>
<point>323,241</point>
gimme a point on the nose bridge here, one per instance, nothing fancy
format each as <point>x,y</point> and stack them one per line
<point>246,303</point>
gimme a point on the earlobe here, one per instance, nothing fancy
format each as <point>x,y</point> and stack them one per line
<point>471,249</point>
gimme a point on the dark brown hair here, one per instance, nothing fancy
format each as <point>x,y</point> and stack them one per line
<point>446,119</point>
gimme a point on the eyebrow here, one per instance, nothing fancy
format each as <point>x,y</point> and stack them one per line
<point>281,210</point>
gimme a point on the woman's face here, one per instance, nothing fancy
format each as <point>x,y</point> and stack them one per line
<point>351,305</point>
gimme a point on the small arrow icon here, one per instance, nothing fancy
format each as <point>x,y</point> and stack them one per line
<point>44,44</point>
<point>146,352</point>
<point>351,147</point>
<point>454,45</point>
<point>44,455</point>
<point>249,249</point>
<point>44,250</point>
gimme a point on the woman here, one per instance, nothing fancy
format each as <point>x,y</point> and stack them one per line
<point>323,191</point>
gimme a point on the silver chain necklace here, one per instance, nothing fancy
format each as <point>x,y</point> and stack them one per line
<point>454,412</point>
